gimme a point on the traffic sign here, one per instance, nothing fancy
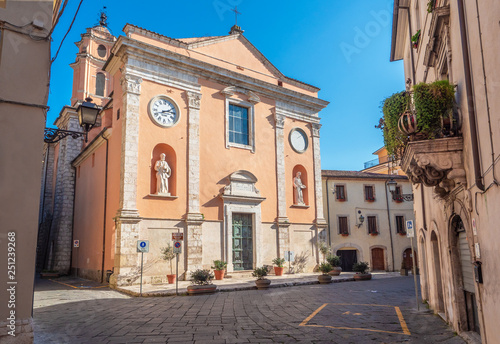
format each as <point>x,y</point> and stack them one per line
<point>143,246</point>
<point>76,243</point>
<point>177,247</point>
<point>289,256</point>
<point>410,232</point>
<point>178,236</point>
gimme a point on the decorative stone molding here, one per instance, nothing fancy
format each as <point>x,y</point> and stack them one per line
<point>435,163</point>
<point>438,36</point>
<point>131,84</point>
<point>231,90</point>
<point>194,100</point>
<point>241,187</point>
<point>315,129</point>
<point>253,98</point>
<point>280,120</point>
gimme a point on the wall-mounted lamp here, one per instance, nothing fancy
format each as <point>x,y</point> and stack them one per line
<point>361,219</point>
<point>398,197</point>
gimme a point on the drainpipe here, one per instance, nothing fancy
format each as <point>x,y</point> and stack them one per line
<point>105,207</point>
<point>470,99</point>
<point>390,227</point>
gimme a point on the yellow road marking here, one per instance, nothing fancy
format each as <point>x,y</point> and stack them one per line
<point>402,321</point>
<point>306,320</point>
<point>72,286</point>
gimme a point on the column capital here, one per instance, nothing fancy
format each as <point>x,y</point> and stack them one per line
<point>280,120</point>
<point>131,83</point>
<point>315,129</point>
<point>194,100</point>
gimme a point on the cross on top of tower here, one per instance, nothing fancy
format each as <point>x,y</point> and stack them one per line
<point>235,10</point>
<point>235,29</point>
<point>103,20</point>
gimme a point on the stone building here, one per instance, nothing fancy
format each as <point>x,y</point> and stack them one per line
<point>455,177</point>
<point>202,136</point>
<point>366,221</point>
<point>24,69</point>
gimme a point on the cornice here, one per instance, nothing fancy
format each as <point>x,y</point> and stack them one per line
<point>92,146</point>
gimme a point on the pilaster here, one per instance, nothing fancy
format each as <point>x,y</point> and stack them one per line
<point>194,219</point>
<point>282,220</point>
<point>320,219</point>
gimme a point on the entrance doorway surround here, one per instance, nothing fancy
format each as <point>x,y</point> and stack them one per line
<point>378,259</point>
<point>240,196</point>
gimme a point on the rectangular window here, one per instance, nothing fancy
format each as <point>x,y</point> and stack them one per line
<point>238,125</point>
<point>340,192</point>
<point>369,193</point>
<point>398,194</point>
<point>400,225</point>
<point>372,225</point>
<point>343,228</point>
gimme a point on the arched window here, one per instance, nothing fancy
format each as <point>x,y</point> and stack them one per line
<point>99,84</point>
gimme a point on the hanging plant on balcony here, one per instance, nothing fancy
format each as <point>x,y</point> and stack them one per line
<point>392,108</point>
<point>414,39</point>
<point>433,105</point>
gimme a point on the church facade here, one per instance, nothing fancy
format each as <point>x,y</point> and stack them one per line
<point>202,136</point>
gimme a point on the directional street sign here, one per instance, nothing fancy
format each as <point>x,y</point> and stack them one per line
<point>177,247</point>
<point>177,236</point>
<point>143,246</point>
<point>410,231</point>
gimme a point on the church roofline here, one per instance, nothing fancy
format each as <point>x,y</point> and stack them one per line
<point>130,28</point>
<point>132,47</point>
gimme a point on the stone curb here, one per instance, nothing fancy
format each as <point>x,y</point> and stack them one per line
<point>183,292</point>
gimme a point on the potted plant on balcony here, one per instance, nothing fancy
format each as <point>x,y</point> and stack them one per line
<point>167,254</point>
<point>261,282</point>
<point>361,270</point>
<point>202,283</point>
<point>278,269</point>
<point>370,199</point>
<point>393,107</point>
<point>334,261</point>
<point>415,39</point>
<point>325,278</point>
<point>219,269</point>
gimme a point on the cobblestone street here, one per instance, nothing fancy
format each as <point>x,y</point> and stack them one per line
<point>377,311</point>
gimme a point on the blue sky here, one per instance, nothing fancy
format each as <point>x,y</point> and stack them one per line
<point>341,47</point>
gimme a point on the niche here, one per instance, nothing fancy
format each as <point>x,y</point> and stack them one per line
<point>171,160</point>
<point>303,180</point>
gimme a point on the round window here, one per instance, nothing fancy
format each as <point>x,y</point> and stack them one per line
<point>101,50</point>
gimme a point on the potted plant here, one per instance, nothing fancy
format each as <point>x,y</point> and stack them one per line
<point>335,262</point>
<point>323,249</point>
<point>370,199</point>
<point>373,233</point>
<point>261,282</point>
<point>278,269</point>
<point>404,270</point>
<point>361,270</point>
<point>219,269</point>
<point>325,278</point>
<point>167,253</point>
<point>202,283</point>
<point>414,39</point>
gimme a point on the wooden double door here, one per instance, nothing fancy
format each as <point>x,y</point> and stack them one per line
<point>378,260</point>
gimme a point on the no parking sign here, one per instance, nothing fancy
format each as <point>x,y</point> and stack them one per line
<point>177,246</point>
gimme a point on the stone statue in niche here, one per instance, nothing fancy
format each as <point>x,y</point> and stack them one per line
<point>163,172</point>
<point>297,183</point>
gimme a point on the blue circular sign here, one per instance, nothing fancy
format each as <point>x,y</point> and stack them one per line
<point>177,244</point>
<point>143,244</point>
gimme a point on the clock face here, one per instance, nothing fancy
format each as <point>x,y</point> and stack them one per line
<point>298,140</point>
<point>163,111</point>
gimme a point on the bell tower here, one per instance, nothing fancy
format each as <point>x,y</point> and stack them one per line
<point>89,80</point>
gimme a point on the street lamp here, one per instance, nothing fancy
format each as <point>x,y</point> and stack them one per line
<point>87,117</point>
<point>392,189</point>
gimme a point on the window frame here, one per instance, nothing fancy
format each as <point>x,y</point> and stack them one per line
<point>344,199</point>
<point>339,230</point>
<point>398,196</point>
<point>377,231</point>
<point>403,224</point>
<point>251,124</point>
<point>103,84</point>
<point>373,199</point>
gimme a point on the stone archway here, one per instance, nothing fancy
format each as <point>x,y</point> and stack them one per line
<point>438,297</point>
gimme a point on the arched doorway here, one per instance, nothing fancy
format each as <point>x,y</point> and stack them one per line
<point>408,259</point>
<point>438,285</point>
<point>378,260</point>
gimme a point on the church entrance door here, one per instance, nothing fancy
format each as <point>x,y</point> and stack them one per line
<point>242,242</point>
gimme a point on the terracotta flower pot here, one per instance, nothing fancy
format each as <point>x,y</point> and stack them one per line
<point>278,271</point>
<point>201,289</point>
<point>219,274</point>
<point>362,277</point>
<point>335,271</point>
<point>324,279</point>
<point>171,279</point>
<point>262,283</point>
